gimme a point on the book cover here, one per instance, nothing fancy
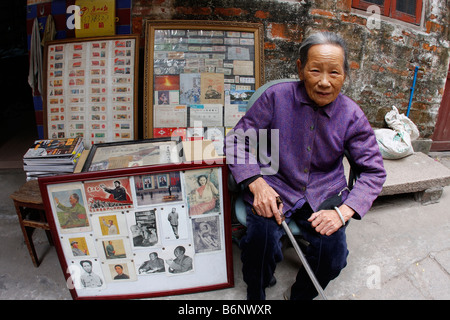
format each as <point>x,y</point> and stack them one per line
<point>48,148</point>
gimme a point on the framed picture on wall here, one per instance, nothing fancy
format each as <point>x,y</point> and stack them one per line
<point>199,74</point>
<point>90,89</point>
<point>147,243</point>
<point>115,155</point>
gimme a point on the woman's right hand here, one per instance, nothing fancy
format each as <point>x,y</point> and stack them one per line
<point>265,200</point>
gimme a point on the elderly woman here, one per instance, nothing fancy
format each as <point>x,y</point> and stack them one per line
<point>315,124</point>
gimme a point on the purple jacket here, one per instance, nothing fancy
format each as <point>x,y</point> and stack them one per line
<point>311,143</point>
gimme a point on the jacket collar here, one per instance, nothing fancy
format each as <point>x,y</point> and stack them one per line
<point>305,99</point>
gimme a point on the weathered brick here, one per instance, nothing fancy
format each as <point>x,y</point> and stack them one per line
<point>429,47</point>
<point>193,11</point>
<point>345,5</point>
<point>230,12</point>
<point>324,13</point>
<point>262,14</point>
<point>354,65</point>
<point>433,27</point>
<point>283,31</point>
<point>270,46</point>
<point>351,18</point>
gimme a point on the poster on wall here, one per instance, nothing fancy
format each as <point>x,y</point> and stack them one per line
<point>97,18</point>
<point>90,89</point>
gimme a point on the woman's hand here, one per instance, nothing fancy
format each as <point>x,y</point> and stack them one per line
<point>264,202</point>
<point>327,222</point>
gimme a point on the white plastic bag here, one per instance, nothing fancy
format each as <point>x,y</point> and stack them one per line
<point>396,143</point>
<point>400,123</point>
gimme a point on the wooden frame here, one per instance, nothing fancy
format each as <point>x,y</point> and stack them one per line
<point>405,16</point>
<point>184,58</point>
<point>389,9</point>
<point>120,235</point>
<point>115,155</point>
<point>90,88</point>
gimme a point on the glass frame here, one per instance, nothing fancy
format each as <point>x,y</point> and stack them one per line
<point>90,88</point>
<point>211,265</point>
<point>230,46</point>
<point>115,155</point>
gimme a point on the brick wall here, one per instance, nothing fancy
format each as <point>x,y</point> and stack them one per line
<point>382,60</point>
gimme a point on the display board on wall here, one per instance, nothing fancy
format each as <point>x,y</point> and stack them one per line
<point>142,232</point>
<point>199,76</point>
<point>90,89</point>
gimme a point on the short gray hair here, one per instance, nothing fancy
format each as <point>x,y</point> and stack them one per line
<point>323,38</point>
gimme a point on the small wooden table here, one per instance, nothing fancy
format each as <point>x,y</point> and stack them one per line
<point>31,212</point>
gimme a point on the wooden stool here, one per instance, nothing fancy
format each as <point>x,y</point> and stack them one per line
<point>31,212</point>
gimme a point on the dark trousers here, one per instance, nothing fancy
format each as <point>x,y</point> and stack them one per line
<point>261,251</point>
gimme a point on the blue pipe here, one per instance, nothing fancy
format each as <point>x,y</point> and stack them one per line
<point>412,90</point>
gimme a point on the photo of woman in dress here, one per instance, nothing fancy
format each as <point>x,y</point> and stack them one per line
<point>203,191</point>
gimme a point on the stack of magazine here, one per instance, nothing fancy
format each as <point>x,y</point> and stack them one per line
<point>52,157</point>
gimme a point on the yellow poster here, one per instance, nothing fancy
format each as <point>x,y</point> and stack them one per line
<point>97,18</point>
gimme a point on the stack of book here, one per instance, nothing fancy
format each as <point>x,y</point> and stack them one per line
<point>52,157</point>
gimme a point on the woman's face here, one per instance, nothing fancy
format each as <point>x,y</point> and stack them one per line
<point>202,181</point>
<point>323,73</point>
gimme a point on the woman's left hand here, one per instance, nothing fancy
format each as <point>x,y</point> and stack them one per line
<point>327,222</point>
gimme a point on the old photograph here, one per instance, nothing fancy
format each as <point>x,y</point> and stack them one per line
<point>206,233</point>
<point>149,262</point>
<point>86,274</point>
<point>180,259</point>
<point>160,188</point>
<point>114,248</point>
<point>119,271</point>
<point>79,245</point>
<point>70,208</point>
<point>144,228</point>
<point>174,222</point>
<point>202,190</point>
<point>110,194</point>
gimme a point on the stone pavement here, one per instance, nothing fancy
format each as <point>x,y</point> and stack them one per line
<point>400,250</point>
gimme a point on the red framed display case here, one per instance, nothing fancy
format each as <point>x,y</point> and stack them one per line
<point>143,231</point>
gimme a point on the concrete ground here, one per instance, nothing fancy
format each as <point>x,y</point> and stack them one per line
<point>400,250</point>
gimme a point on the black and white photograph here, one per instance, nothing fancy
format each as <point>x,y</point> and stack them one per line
<point>174,222</point>
<point>206,234</point>
<point>180,259</point>
<point>143,228</point>
<point>86,274</point>
<point>149,262</point>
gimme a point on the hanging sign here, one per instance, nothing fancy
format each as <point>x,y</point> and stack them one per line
<point>97,18</point>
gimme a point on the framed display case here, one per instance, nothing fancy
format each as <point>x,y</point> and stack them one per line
<point>115,155</point>
<point>90,88</point>
<point>141,232</point>
<point>199,74</point>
